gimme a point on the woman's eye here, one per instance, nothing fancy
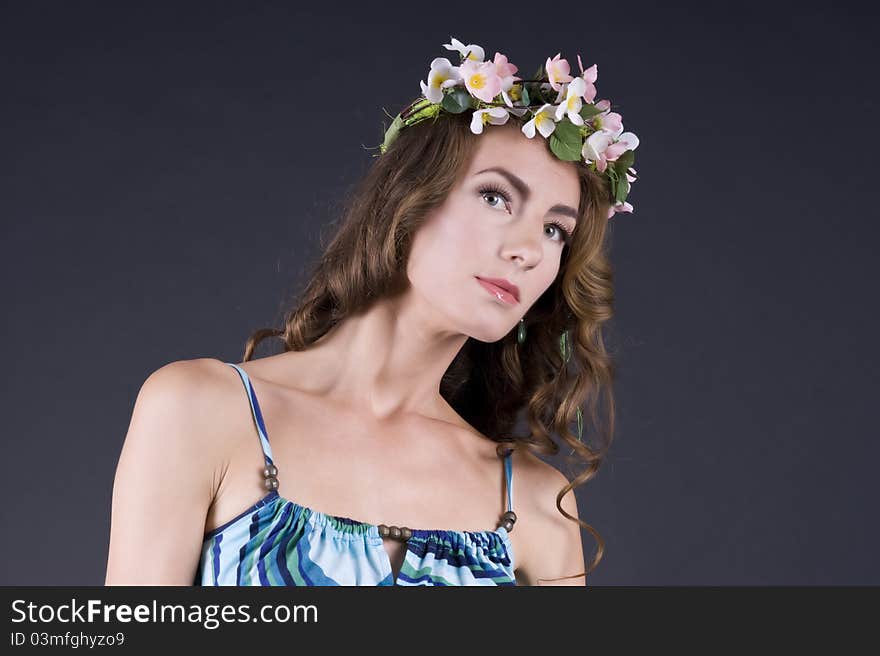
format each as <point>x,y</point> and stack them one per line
<point>492,194</point>
<point>564,235</point>
<point>497,197</point>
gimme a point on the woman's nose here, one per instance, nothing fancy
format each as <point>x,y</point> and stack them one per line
<point>524,241</point>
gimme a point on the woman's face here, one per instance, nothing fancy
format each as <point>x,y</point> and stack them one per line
<point>498,222</point>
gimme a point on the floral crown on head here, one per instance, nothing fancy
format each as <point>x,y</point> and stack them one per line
<point>576,127</point>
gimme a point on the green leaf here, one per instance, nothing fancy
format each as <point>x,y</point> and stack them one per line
<point>563,150</point>
<point>567,131</point>
<point>621,190</point>
<point>625,161</point>
<point>566,142</point>
<point>588,111</point>
<point>456,101</point>
<point>525,95</point>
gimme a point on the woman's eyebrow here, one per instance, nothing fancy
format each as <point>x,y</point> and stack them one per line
<point>525,192</point>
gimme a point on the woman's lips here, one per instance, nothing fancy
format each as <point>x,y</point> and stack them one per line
<point>499,293</point>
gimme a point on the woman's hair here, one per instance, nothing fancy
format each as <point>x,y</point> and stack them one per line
<point>488,384</point>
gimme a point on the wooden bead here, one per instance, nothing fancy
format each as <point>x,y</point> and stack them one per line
<point>395,532</point>
<point>509,515</point>
<point>270,471</point>
<point>508,525</point>
<point>271,483</point>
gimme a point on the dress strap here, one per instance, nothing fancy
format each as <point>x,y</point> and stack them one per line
<point>255,411</point>
<point>508,479</point>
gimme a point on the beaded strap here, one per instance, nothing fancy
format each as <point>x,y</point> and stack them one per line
<point>508,519</point>
<point>270,471</point>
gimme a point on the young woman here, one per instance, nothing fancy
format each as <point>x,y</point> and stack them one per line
<point>468,283</point>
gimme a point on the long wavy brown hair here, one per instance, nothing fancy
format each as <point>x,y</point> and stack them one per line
<point>563,364</point>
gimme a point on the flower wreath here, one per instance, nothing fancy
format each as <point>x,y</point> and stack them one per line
<point>575,126</point>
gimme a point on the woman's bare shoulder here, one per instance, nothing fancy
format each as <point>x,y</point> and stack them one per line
<point>198,398</point>
<point>184,372</point>
<point>195,385</point>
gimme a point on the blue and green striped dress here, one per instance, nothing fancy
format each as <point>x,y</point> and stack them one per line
<point>279,542</point>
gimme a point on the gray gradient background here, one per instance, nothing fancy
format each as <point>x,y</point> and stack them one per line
<point>164,188</point>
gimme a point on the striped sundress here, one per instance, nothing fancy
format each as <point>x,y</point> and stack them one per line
<point>279,542</point>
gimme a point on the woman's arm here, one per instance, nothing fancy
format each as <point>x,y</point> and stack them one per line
<point>165,479</point>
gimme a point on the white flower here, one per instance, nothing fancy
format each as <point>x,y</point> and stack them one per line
<point>543,120</point>
<point>491,115</point>
<point>573,103</point>
<point>596,144</point>
<point>472,51</point>
<point>443,74</point>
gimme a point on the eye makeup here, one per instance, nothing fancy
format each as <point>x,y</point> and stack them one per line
<point>501,192</point>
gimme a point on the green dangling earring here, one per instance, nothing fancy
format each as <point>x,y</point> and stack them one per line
<point>563,347</point>
<point>521,332</point>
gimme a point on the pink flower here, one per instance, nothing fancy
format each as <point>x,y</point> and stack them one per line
<point>610,122</point>
<point>481,79</point>
<point>589,76</point>
<point>619,207</point>
<point>557,72</point>
<point>505,70</point>
<point>626,141</point>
